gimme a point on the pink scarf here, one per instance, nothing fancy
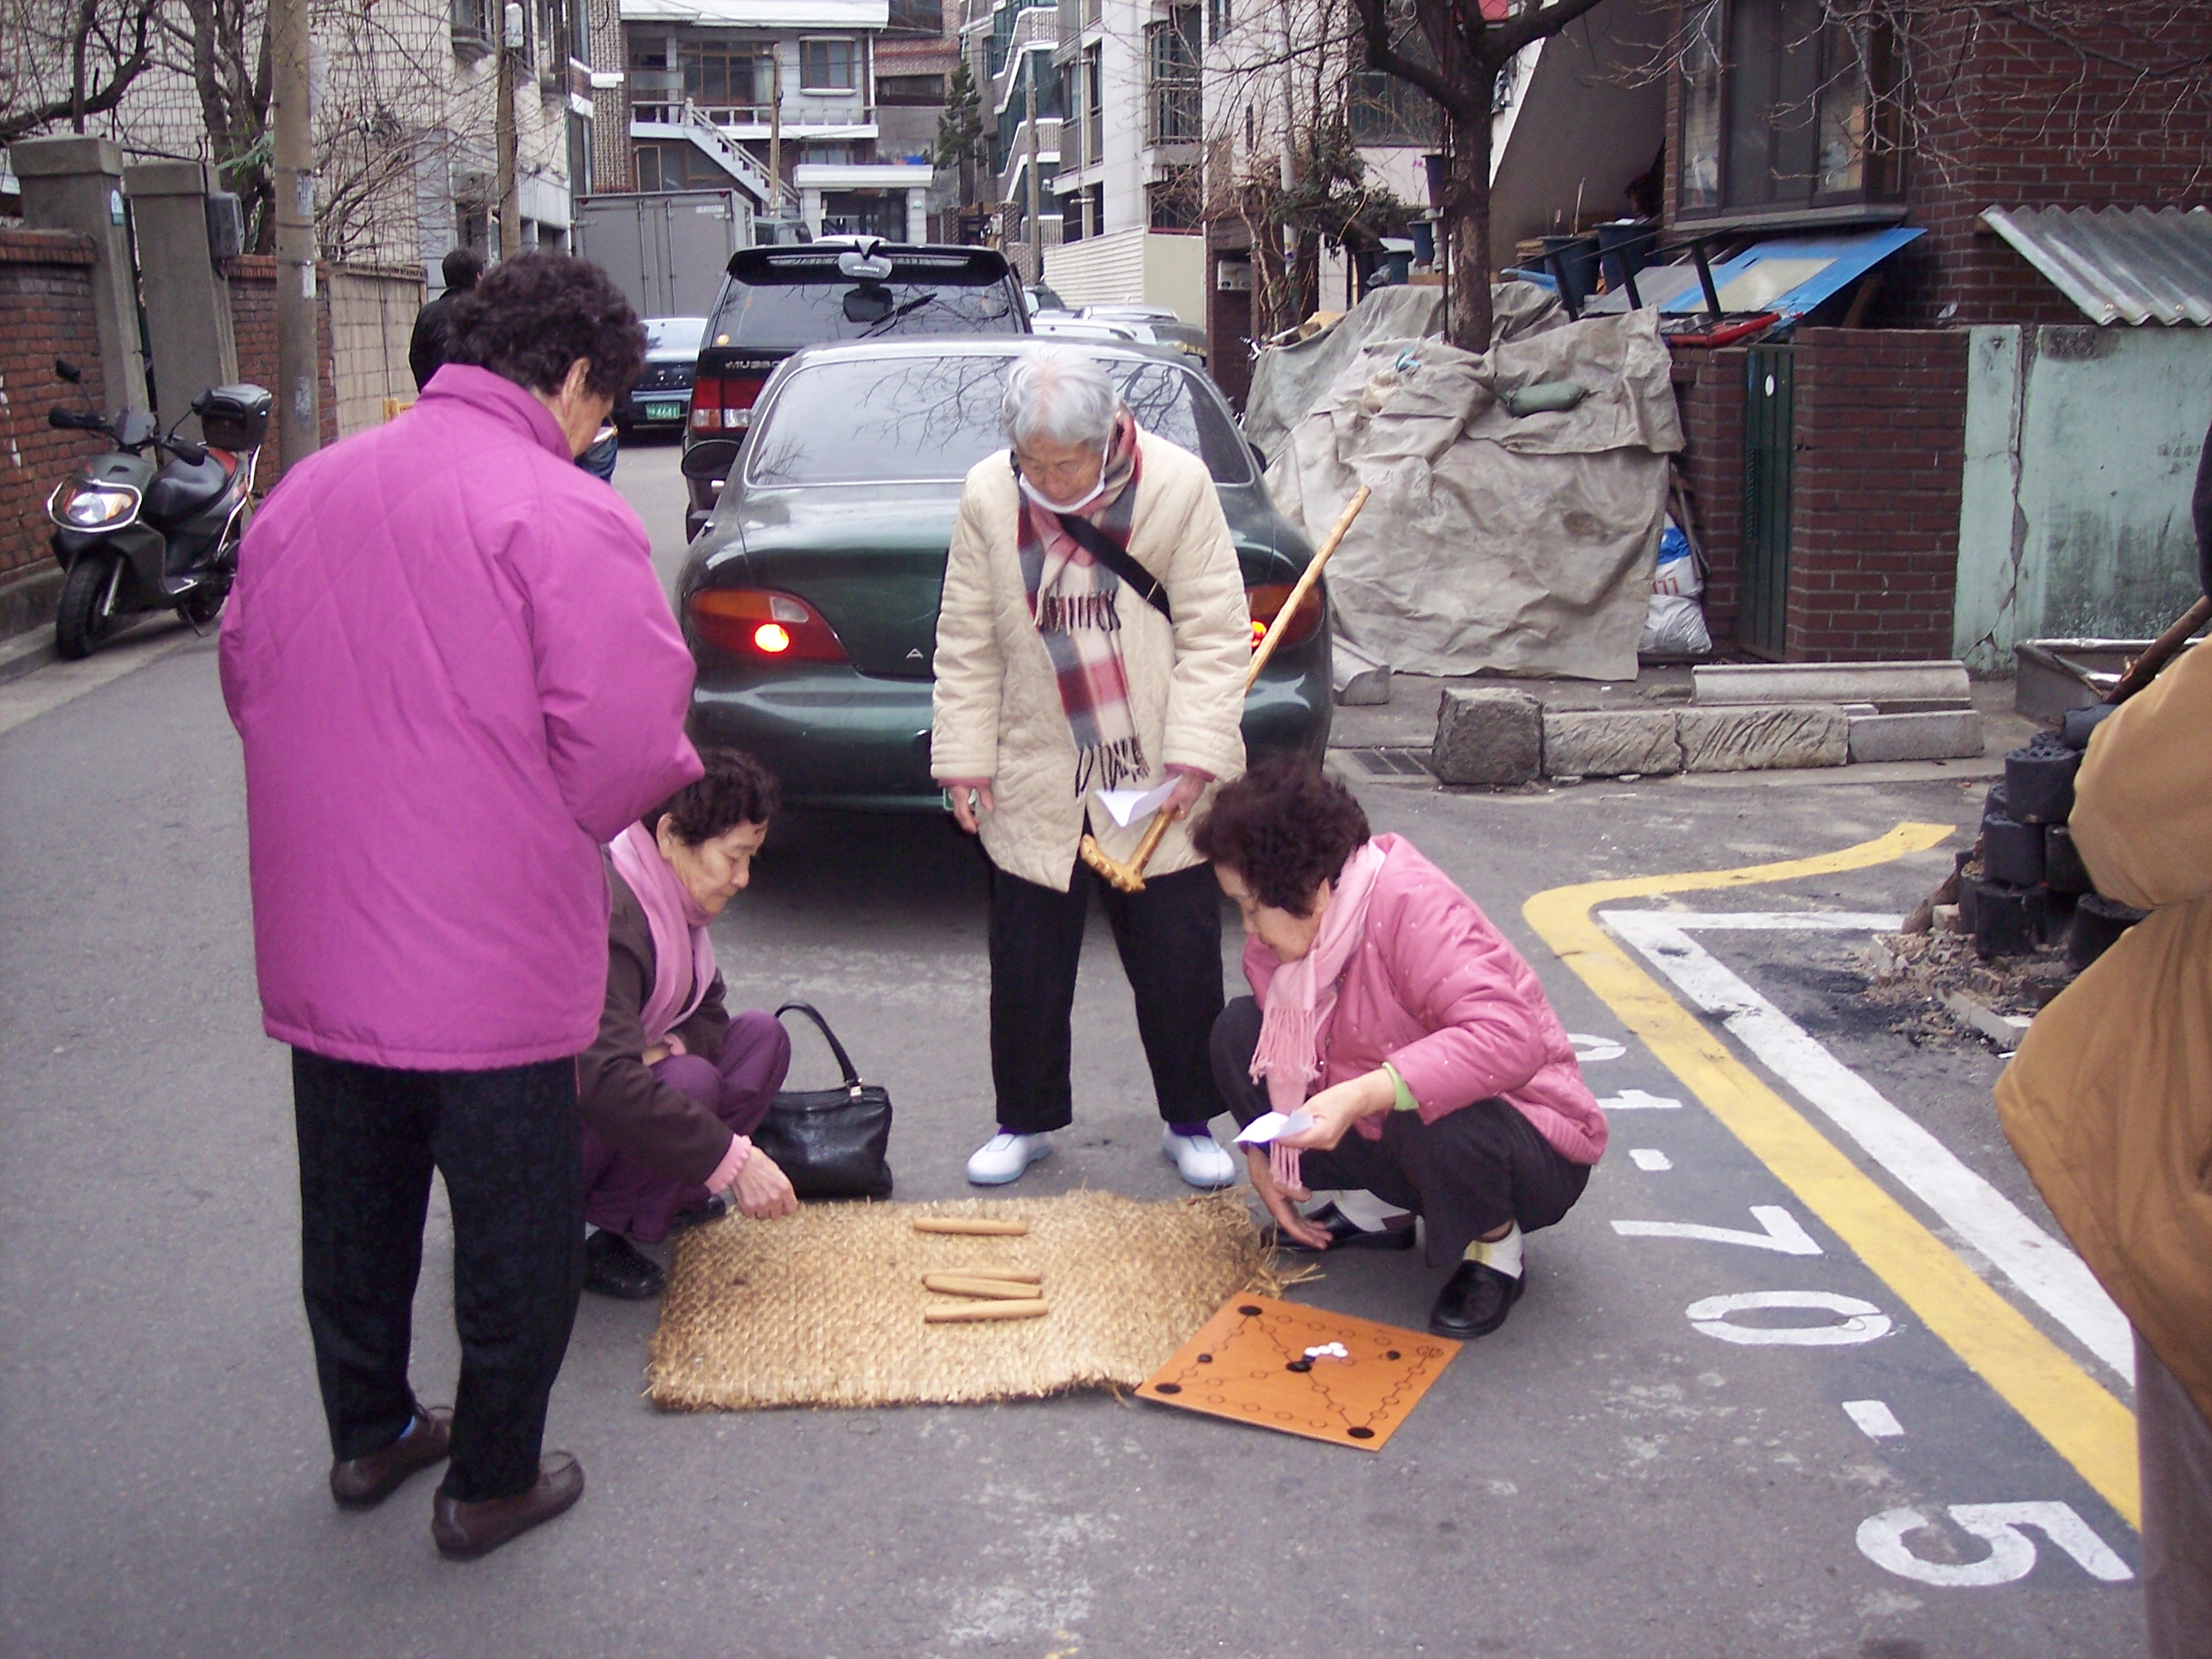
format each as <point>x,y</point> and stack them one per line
<point>683,954</point>
<point>1302,999</point>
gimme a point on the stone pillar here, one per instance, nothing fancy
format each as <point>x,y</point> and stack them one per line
<point>75,182</point>
<point>187,299</point>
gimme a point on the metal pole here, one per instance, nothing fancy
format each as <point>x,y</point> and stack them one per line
<point>1036,226</point>
<point>775,132</point>
<point>299,425</point>
<point>510,217</point>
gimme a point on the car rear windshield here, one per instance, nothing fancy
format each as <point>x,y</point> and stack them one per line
<point>909,419</point>
<point>804,302</point>
<point>674,333</point>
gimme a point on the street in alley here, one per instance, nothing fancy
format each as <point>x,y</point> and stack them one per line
<point>1807,1372</point>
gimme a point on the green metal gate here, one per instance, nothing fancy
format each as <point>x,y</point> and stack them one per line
<point>1768,439</point>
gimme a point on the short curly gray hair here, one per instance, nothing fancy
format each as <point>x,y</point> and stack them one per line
<point>1061,396</point>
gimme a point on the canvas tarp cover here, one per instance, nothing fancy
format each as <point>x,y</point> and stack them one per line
<point>1517,545</point>
<point>1288,380</point>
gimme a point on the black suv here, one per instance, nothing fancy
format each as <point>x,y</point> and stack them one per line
<point>776,300</point>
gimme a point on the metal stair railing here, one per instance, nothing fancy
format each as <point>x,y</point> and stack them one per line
<point>732,157</point>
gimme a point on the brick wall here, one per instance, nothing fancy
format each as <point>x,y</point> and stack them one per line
<point>253,325</point>
<point>45,294</point>
<point>1709,393</point>
<point>1880,432</point>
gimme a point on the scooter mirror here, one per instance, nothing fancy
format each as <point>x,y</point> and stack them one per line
<point>68,370</point>
<point>200,403</point>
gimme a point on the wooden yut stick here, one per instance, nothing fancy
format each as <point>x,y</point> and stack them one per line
<point>1130,878</point>
<point>968,1313</point>
<point>973,1226</point>
<point>966,1285</point>
<point>1009,1275</point>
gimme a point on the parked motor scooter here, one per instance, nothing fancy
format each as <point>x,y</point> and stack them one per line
<point>136,532</point>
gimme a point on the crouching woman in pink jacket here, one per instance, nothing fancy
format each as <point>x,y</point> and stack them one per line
<point>1387,1008</point>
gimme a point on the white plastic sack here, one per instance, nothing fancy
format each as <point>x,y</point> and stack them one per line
<point>1675,626</point>
<point>1678,566</point>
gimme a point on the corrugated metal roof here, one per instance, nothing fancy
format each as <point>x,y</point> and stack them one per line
<point>2118,264</point>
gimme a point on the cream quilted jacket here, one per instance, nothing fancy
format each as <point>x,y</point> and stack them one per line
<point>997,711</point>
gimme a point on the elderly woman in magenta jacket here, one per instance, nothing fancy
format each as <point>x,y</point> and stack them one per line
<point>1387,1008</point>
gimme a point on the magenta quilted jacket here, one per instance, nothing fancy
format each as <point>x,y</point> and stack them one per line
<point>1435,989</point>
<point>455,676</point>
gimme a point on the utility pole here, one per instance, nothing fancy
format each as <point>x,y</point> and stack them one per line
<point>775,132</point>
<point>510,217</point>
<point>1036,225</point>
<point>298,424</point>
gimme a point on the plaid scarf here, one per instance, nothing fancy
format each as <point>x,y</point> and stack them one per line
<point>1075,601</point>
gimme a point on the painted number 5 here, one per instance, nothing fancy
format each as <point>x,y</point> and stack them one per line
<point>2012,1551</point>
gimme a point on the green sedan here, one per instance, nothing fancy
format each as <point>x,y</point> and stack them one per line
<point>810,600</point>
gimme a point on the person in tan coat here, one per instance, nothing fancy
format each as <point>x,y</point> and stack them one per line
<point>1092,636</point>
<point>2109,1104</point>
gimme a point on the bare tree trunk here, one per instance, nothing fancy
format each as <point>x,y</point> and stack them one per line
<point>1467,211</point>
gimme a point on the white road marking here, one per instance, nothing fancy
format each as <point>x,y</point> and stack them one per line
<point>1635,1100</point>
<point>1874,1418</point>
<point>1651,1158</point>
<point>1857,1321</point>
<point>2045,1270</point>
<point>2012,1551</point>
<point>1778,1230</point>
<point>1589,1050</point>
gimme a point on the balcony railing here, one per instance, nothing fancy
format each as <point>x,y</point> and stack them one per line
<point>1174,113</point>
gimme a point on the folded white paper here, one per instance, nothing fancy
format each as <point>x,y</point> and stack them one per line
<point>1269,1126</point>
<point>1127,805</point>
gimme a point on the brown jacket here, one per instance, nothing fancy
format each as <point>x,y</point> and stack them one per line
<point>621,1100</point>
<point>2109,1102</point>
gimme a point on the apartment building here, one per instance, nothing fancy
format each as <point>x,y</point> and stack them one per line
<point>780,99</point>
<point>1010,45</point>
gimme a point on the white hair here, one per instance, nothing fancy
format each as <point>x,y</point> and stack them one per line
<point>1061,396</point>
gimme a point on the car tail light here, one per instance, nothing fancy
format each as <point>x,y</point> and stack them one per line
<point>723,403</point>
<point>762,626</point>
<point>1266,603</point>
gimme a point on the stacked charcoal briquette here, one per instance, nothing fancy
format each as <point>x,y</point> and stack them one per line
<point>2034,889</point>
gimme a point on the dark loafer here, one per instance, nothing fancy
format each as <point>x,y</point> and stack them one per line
<point>360,1483</point>
<point>465,1531</point>
<point>1474,1302</point>
<point>615,1266</point>
<point>1346,1234</point>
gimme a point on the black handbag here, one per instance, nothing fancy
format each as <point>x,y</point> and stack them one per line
<point>830,1142</point>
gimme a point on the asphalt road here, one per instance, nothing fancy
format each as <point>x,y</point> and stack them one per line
<point>1606,1475</point>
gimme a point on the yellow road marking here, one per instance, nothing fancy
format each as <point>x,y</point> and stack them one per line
<point>2080,1418</point>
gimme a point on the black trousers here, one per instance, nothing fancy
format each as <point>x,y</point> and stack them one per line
<point>506,1143</point>
<point>1169,939</point>
<point>1467,1173</point>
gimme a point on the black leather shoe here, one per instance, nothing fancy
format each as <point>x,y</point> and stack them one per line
<point>1474,1302</point>
<point>360,1483</point>
<point>615,1266</point>
<point>713,1209</point>
<point>465,1531</point>
<point>1346,1234</point>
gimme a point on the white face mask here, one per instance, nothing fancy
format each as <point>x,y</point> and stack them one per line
<point>1096,490</point>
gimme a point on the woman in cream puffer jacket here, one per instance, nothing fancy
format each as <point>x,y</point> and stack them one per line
<point>1004,741</point>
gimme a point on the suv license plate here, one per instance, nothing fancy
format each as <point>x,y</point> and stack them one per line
<point>663,412</point>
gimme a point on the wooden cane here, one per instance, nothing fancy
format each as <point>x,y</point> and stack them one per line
<point>2144,669</point>
<point>1130,878</point>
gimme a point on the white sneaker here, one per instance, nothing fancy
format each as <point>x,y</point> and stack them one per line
<point>1198,1158</point>
<point>1004,1156</point>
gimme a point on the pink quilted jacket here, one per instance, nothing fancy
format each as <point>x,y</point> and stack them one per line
<point>1435,990</point>
<point>455,676</point>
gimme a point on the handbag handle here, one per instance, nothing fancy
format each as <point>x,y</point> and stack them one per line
<point>844,1060</point>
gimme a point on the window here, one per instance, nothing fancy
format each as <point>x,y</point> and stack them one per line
<point>676,167</point>
<point>1172,81</point>
<point>1784,112</point>
<point>830,65</point>
<point>1173,203</point>
<point>1386,111</point>
<point>471,26</point>
<point>1071,218</point>
<point>722,73</point>
<point>910,91</point>
<point>1216,19</point>
<point>917,17</point>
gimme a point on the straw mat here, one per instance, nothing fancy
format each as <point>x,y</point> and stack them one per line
<point>825,1307</point>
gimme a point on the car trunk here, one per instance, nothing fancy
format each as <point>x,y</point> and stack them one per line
<point>870,559</point>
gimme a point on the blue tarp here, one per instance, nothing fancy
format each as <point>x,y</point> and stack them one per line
<point>1788,276</point>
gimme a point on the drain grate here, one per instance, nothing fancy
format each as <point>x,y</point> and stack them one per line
<point>1404,765</point>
